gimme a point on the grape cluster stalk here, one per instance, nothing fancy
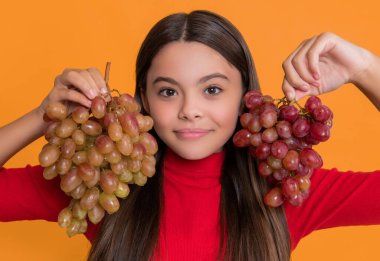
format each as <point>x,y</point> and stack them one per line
<point>98,153</point>
<point>281,134</point>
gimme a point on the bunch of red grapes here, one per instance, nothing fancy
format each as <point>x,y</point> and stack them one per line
<point>97,153</point>
<point>281,135</point>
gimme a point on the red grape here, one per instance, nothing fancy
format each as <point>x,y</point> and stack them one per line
<point>300,127</point>
<point>288,113</point>
<point>312,103</point>
<point>241,138</point>
<point>310,158</point>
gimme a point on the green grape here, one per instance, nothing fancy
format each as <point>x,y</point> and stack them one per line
<point>65,128</point>
<point>56,111</point>
<point>83,226</point>
<point>70,181</point>
<point>86,171</point>
<point>95,158</point>
<point>96,214</point>
<point>149,143</point>
<point>133,165</point>
<point>109,202</point>
<point>90,198</point>
<point>55,140</point>
<point>80,114</point>
<point>80,157</point>
<point>50,129</point>
<point>95,179</point>
<point>139,179</point>
<point>50,172</point>
<point>79,191</point>
<point>119,167</point>
<point>79,137</point>
<point>104,144</point>
<point>122,190</point>
<point>78,211</point>
<point>113,157</point>
<point>91,128</point>
<point>68,148</point>
<point>115,131</point>
<point>49,155</point>
<point>73,227</point>
<point>148,167</point>
<point>124,145</point>
<point>129,124</point>
<point>126,176</point>
<point>98,107</point>
<point>108,181</point>
<point>63,165</point>
<point>65,217</point>
<point>138,152</point>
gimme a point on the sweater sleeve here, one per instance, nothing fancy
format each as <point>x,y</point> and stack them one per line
<point>26,195</point>
<point>336,199</point>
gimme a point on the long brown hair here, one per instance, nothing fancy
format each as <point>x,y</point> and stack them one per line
<point>253,231</point>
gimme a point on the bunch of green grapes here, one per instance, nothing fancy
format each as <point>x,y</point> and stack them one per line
<point>97,153</point>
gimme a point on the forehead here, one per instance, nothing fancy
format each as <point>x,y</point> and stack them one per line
<point>190,60</point>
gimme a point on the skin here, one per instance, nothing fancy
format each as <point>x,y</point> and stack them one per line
<point>325,62</point>
<point>193,95</point>
<point>320,64</point>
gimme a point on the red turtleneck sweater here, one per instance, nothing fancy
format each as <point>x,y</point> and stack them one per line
<point>189,228</point>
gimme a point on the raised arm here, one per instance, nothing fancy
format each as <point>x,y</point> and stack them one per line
<point>325,62</point>
<point>72,87</point>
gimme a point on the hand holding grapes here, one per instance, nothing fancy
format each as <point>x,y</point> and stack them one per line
<point>75,86</point>
<point>322,64</point>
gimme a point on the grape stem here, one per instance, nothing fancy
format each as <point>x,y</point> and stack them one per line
<point>106,78</point>
<point>106,74</point>
<point>285,101</point>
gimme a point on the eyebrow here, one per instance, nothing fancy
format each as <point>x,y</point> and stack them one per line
<point>202,80</point>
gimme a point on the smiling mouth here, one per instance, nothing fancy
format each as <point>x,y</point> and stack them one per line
<point>186,134</point>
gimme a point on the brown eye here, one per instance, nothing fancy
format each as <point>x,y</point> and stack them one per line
<point>167,92</point>
<point>213,90</point>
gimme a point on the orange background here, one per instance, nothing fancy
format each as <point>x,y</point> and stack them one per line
<point>41,38</point>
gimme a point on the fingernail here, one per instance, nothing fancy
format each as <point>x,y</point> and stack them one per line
<point>290,96</point>
<point>93,94</point>
<point>316,76</point>
<point>305,86</point>
<point>103,90</point>
<point>88,103</point>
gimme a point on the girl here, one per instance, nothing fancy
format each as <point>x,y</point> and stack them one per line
<point>205,201</point>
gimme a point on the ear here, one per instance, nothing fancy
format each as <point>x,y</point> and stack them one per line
<point>144,101</point>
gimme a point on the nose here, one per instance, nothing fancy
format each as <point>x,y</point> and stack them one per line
<point>190,109</point>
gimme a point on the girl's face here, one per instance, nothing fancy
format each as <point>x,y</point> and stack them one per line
<point>193,95</point>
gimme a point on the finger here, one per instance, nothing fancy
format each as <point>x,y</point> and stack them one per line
<point>74,96</point>
<point>98,78</point>
<point>292,76</point>
<point>292,93</point>
<point>57,79</point>
<point>301,64</point>
<point>94,87</point>
<point>290,73</point>
<point>74,78</point>
<point>319,46</point>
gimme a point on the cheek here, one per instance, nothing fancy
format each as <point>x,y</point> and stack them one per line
<point>162,116</point>
<point>228,116</point>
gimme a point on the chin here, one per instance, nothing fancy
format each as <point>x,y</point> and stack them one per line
<point>195,154</point>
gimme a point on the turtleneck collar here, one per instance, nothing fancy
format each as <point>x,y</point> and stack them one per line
<point>200,173</point>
